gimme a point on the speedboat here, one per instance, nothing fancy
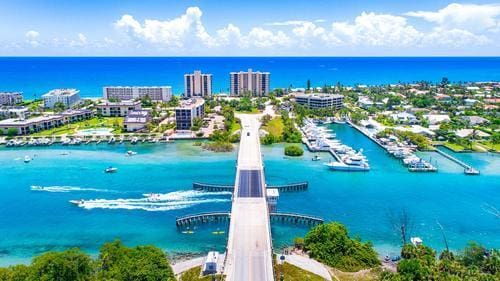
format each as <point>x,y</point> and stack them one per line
<point>131,153</point>
<point>79,203</point>
<point>110,170</point>
<point>112,140</point>
<point>27,159</point>
<point>153,197</point>
<point>37,188</point>
<point>352,163</point>
<point>134,140</point>
<point>316,158</point>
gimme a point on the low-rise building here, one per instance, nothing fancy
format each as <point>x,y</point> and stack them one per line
<point>20,112</point>
<point>316,101</point>
<point>117,109</point>
<point>136,120</point>
<point>10,98</point>
<point>437,118</point>
<point>404,118</point>
<point>45,122</point>
<point>68,97</point>
<point>155,93</point>
<point>464,133</point>
<point>188,111</point>
<point>475,120</point>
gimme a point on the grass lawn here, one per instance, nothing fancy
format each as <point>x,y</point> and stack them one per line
<point>236,126</point>
<point>253,111</point>
<point>453,146</point>
<point>105,122</point>
<point>495,147</point>
<point>363,275</point>
<point>293,273</point>
<point>275,126</point>
<point>194,275</point>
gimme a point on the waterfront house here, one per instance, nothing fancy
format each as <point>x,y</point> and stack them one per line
<point>470,102</point>
<point>117,108</point>
<point>464,133</point>
<point>136,120</point>
<point>67,97</point>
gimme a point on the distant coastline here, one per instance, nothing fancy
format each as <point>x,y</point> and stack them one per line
<point>36,75</point>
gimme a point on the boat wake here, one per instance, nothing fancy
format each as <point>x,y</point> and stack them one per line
<point>157,202</point>
<point>65,189</point>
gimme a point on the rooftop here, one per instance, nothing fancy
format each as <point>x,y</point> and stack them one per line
<point>191,103</point>
<point>61,92</point>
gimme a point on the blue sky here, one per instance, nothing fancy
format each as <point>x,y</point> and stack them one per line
<point>249,28</point>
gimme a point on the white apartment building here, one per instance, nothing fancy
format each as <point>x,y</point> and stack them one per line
<point>68,97</point>
<point>197,84</point>
<point>316,101</point>
<point>256,83</point>
<point>10,98</point>
<point>156,93</point>
<point>117,109</point>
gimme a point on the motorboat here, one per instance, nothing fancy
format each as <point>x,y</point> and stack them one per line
<point>134,140</point>
<point>153,197</point>
<point>339,166</point>
<point>37,188</point>
<point>27,159</point>
<point>316,158</point>
<point>130,153</point>
<point>112,140</point>
<point>79,203</point>
<point>110,170</point>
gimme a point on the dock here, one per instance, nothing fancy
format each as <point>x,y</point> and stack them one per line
<point>218,217</point>
<point>468,170</point>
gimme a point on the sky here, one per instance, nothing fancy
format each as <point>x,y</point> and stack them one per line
<point>249,28</point>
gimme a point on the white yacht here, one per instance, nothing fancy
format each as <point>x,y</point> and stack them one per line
<point>27,159</point>
<point>111,170</point>
<point>131,153</point>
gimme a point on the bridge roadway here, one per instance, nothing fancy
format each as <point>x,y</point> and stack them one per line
<point>249,249</point>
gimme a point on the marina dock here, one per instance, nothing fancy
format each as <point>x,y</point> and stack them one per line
<point>401,151</point>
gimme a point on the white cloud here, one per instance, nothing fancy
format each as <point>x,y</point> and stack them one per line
<point>262,38</point>
<point>32,38</point>
<point>455,38</point>
<point>170,33</point>
<point>470,17</point>
<point>370,29</point>
<point>80,42</point>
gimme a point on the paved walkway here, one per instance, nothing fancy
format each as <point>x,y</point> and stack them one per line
<point>183,266</point>
<point>308,264</point>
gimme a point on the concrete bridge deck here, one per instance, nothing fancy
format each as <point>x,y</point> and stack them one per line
<point>249,249</point>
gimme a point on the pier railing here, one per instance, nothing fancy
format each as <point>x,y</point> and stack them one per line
<point>298,186</point>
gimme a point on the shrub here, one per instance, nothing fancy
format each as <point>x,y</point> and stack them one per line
<point>294,150</point>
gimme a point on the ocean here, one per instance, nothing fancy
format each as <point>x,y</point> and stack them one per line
<point>35,76</point>
<point>32,222</point>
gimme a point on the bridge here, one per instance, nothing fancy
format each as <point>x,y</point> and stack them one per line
<point>210,187</point>
<point>249,250</point>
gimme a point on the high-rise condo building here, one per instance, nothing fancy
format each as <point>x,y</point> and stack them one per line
<point>253,83</point>
<point>155,93</point>
<point>197,84</point>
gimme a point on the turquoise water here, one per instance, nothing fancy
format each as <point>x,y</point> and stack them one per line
<point>32,222</point>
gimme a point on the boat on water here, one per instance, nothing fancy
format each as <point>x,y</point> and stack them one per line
<point>110,170</point>
<point>37,188</point>
<point>112,140</point>
<point>153,197</point>
<point>27,159</point>
<point>134,140</point>
<point>131,153</point>
<point>79,203</point>
<point>350,163</point>
<point>316,158</point>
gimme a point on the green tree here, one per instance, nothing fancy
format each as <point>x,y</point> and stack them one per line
<point>330,243</point>
<point>62,266</point>
<point>59,107</point>
<point>293,150</point>
<point>12,132</point>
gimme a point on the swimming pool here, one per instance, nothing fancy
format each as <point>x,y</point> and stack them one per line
<point>95,131</point>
